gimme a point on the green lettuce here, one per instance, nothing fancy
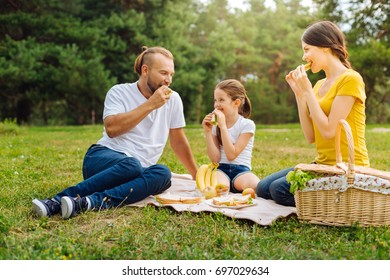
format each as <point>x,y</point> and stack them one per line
<point>298,179</point>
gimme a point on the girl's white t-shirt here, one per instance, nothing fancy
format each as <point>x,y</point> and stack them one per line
<point>241,126</point>
<point>147,140</point>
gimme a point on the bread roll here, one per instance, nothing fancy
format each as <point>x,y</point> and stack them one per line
<point>177,199</point>
<point>233,200</point>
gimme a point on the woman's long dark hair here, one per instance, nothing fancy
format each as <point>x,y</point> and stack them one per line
<point>326,34</point>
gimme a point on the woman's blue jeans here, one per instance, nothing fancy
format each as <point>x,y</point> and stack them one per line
<point>276,187</point>
<point>112,179</point>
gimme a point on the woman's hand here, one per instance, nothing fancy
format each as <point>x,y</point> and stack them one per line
<point>299,82</point>
<point>301,87</point>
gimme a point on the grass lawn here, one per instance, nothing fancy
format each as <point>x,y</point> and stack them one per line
<point>37,162</point>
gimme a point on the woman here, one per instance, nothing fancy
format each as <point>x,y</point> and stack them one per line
<point>341,95</point>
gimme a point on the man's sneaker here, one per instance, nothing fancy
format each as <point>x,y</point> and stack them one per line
<point>70,206</point>
<point>46,207</point>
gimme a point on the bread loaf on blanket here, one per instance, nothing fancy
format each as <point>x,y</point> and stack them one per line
<point>177,199</point>
<point>233,200</point>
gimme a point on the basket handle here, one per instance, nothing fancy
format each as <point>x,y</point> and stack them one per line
<point>351,150</point>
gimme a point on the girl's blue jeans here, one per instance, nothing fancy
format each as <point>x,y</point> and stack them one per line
<point>276,187</point>
<point>112,179</point>
<point>232,171</point>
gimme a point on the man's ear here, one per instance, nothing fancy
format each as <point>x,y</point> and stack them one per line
<point>144,69</point>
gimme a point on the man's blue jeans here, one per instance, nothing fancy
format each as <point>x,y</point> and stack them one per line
<point>276,187</point>
<point>112,179</point>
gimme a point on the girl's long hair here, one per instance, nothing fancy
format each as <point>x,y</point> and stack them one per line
<point>235,90</point>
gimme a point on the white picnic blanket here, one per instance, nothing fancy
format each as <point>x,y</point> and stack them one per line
<point>264,212</point>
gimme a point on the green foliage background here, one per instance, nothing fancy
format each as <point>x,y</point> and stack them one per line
<point>59,58</point>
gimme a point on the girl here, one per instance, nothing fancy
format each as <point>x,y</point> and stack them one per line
<point>340,95</point>
<point>230,143</point>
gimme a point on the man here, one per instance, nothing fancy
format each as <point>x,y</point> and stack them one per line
<point>121,167</point>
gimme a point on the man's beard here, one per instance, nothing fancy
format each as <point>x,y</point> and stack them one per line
<point>152,87</point>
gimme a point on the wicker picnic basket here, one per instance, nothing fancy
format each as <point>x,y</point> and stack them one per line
<point>349,203</point>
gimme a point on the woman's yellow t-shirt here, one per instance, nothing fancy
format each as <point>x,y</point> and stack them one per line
<point>350,83</point>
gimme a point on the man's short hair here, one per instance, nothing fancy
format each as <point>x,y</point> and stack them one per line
<point>146,57</point>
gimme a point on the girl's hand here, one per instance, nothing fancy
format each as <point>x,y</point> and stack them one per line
<point>206,123</point>
<point>221,118</point>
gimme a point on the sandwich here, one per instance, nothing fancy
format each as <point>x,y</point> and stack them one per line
<point>233,200</point>
<point>307,66</point>
<point>167,90</point>
<point>214,120</point>
<point>177,199</point>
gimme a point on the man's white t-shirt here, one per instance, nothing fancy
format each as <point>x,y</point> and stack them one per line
<point>147,140</point>
<point>241,126</point>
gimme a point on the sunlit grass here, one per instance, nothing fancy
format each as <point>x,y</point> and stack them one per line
<point>37,162</point>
